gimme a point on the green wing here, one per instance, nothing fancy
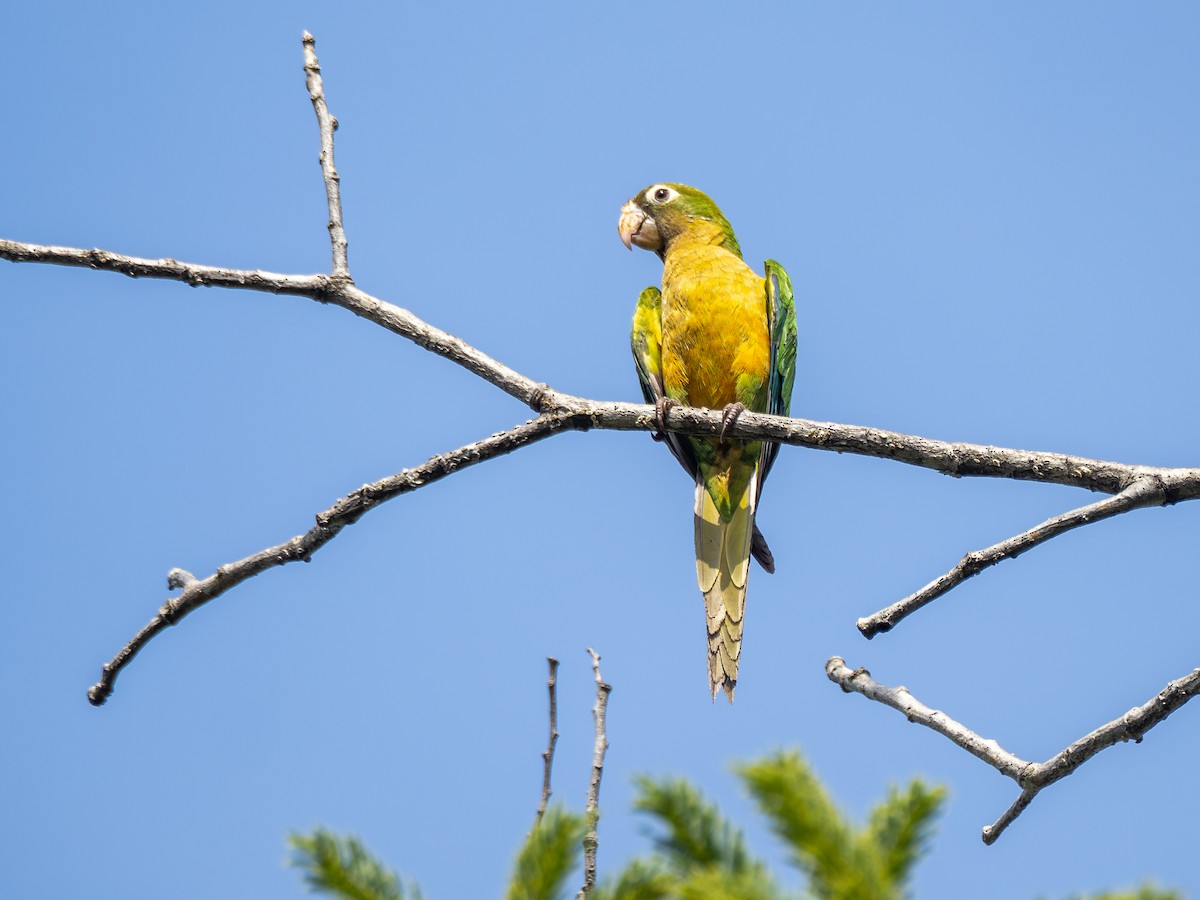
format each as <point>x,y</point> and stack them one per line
<point>646,341</point>
<point>781,320</point>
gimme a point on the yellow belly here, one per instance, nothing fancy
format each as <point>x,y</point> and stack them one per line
<point>715,346</point>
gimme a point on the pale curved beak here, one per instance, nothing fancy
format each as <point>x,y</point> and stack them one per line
<point>636,227</point>
<point>631,222</point>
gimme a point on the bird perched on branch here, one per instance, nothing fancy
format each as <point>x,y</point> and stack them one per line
<point>718,336</point>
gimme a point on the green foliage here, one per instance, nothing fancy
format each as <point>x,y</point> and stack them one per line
<point>712,883</point>
<point>1145,892</point>
<point>647,879</point>
<point>819,839</point>
<point>902,826</point>
<point>695,834</point>
<point>697,853</point>
<point>342,867</point>
<point>549,855</point>
<point>640,880</point>
<point>841,860</point>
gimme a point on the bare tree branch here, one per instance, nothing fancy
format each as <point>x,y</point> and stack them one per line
<point>955,458</point>
<point>346,511</point>
<point>166,269</point>
<point>1030,776</point>
<point>548,753</point>
<point>322,288</point>
<point>1154,485</point>
<point>914,710</point>
<point>591,840</point>
<point>1130,487</point>
<point>1145,491</point>
<point>327,125</point>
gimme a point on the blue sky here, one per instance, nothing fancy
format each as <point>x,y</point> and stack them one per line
<point>991,219</point>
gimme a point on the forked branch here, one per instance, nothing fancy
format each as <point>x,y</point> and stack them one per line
<point>1032,777</point>
<point>1134,486</point>
<point>955,458</point>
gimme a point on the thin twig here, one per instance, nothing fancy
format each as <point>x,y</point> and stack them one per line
<point>346,511</point>
<point>166,269</point>
<point>1030,776</point>
<point>548,753</point>
<point>327,125</point>
<point>992,832</point>
<point>591,839</point>
<point>914,710</point>
<point>1145,491</point>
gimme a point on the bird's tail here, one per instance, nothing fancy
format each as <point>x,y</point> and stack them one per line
<point>722,567</point>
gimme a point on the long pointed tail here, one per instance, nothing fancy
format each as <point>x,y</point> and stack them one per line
<point>722,567</point>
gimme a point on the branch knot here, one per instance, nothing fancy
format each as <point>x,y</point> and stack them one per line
<point>180,578</point>
<point>541,400</point>
<point>169,611</point>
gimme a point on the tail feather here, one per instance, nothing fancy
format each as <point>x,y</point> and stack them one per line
<point>761,552</point>
<point>722,569</point>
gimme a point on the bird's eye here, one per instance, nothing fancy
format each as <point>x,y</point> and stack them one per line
<point>660,193</point>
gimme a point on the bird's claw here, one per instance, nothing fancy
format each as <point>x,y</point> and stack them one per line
<point>729,416</point>
<point>662,406</point>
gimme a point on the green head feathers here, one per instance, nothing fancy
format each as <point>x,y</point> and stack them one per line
<point>664,211</point>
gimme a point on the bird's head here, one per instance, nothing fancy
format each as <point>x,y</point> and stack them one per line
<point>662,212</point>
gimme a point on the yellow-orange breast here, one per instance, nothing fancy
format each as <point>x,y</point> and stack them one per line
<point>715,346</point>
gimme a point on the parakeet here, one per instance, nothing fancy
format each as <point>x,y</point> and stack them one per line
<point>717,336</point>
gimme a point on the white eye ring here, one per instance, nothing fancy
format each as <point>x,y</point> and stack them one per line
<point>660,193</point>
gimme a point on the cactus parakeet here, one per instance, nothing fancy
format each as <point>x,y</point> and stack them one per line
<point>717,336</point>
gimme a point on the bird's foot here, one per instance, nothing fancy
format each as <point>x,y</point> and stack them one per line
<point>729,416</point>
<point>662,406</point>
